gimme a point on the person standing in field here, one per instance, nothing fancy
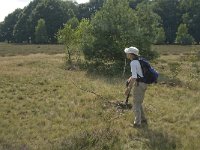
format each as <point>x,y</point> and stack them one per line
<point>139,87</point>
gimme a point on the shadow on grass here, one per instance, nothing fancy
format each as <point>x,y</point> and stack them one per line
<point>111,69</point>
<point>159,140</point>
<point>166,80</point>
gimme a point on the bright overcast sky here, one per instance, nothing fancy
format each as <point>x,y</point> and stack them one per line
<point>8,6</point>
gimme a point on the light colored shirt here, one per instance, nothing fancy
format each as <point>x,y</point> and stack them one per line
<point>136,69</point>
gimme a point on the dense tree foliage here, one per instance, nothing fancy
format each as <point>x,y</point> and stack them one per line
<point>148,24</point>
<point>87,9</point>
<point>169,12</point>
<point>133,3</point>
<point>191,17</point>
<point>1,33</point>
<point>23,31</point>
<point>19,26</point>
<point>8,26</point>
<point>54,12</point>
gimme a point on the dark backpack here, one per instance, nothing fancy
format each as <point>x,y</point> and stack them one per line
<point>149,73</point>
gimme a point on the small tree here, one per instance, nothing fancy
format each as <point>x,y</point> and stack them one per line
<point>41,32</point>
<point>183,37</point>
<point>68,37</point>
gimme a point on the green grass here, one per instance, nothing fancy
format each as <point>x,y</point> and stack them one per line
<point>41,108</point>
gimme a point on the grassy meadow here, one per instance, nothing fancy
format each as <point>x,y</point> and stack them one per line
<point>43,106</point>
<point>26,49</point>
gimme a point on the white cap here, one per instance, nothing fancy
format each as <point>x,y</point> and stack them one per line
<point>132,50</point>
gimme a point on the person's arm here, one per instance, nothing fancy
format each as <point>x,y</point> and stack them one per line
<point>132,79</point>
<point>130,85</point>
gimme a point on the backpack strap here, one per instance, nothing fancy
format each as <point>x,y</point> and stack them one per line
<point>139,78</point>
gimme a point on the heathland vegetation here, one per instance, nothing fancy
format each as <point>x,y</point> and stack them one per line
<point>46,106</point>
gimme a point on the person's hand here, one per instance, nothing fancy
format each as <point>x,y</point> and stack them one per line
<point>129,79</point>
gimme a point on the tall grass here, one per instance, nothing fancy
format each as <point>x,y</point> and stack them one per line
<point>41,108</point>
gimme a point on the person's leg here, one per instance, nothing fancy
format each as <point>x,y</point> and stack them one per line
<point>138,95</point>
<point>142,114</point>
<point>137,111</point>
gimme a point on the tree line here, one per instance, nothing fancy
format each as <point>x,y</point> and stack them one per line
<point>161,21</point>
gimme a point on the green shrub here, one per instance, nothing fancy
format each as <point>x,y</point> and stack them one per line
<point>182,35</point>
<point>112,34</point>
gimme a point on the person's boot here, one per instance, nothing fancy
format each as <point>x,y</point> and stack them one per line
<point>135,125</point>
<point>144,121</point>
